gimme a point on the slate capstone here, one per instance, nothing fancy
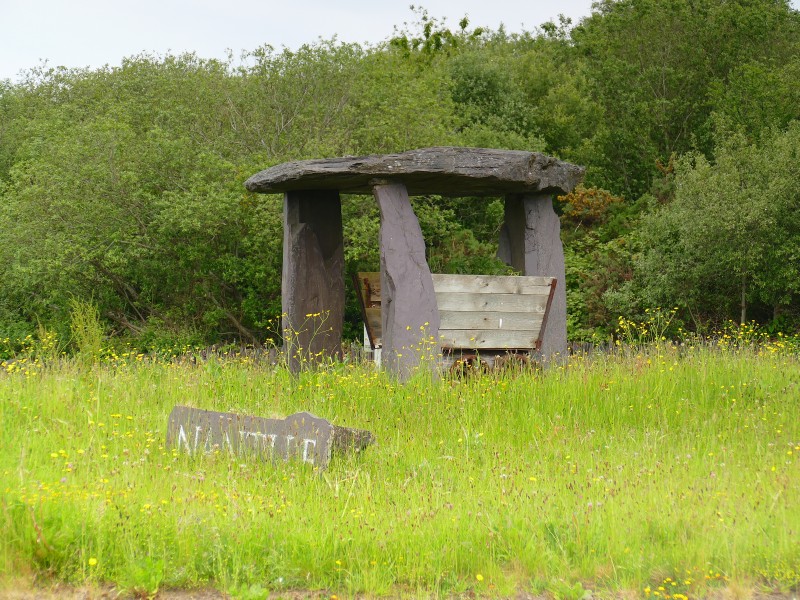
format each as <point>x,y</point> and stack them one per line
<point>445,170</point>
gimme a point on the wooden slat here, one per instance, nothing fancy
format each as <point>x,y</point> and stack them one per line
<point>491,302</point>
<point>370,282</point>
<point>478,312</point>
<point>492,284</point>
<point>374,325</point>
<point>506,321</point>
<point>370,305</point>
<point>487,338</point>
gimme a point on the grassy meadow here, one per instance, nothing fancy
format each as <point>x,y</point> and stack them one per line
<point>665,472</point>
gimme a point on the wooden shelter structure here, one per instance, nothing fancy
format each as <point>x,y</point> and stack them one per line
<point>313,249</point>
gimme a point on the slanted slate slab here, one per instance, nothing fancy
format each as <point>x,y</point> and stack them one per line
<point>448,171</point>
<point>409,315</point>
<point>301,436</point>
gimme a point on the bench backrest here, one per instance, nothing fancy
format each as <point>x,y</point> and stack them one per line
<point>477,312</point>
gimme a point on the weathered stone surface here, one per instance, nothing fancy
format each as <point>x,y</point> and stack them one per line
<point>530,241</point>
<point>301,436</point>
<point>313,277</point>
<point>409,315</point>
<point>448,171</point>
<point>347,439</point>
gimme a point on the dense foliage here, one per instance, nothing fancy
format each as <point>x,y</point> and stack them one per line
<point>122,186</point>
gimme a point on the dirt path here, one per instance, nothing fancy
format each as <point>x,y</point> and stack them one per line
<point>84,593</point>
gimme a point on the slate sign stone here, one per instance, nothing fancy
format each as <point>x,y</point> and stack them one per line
<point>301,436</point>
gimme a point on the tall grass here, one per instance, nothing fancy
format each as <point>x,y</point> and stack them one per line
<point>87,330</point>
<point>660,472</point>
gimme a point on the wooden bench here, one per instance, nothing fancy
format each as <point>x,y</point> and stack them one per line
<point>483,317</point>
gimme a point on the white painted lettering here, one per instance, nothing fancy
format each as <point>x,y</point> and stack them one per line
<point>227,442</point>
<point>306,443</point>
<point>268,441</point>
<point>182,438</point>
<point>208,446</point>
<point>244,435</point>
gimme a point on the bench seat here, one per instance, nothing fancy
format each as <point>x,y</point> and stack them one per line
<point>480,314</point>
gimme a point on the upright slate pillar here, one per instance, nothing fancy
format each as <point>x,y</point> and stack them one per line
<point>313,276</point>
<point>409,315</point>
<point>530,241</point>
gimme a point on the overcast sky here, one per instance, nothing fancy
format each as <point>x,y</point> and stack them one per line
<point>80,33</point>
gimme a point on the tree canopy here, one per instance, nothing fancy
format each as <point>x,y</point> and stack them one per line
<point>122,186</point>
